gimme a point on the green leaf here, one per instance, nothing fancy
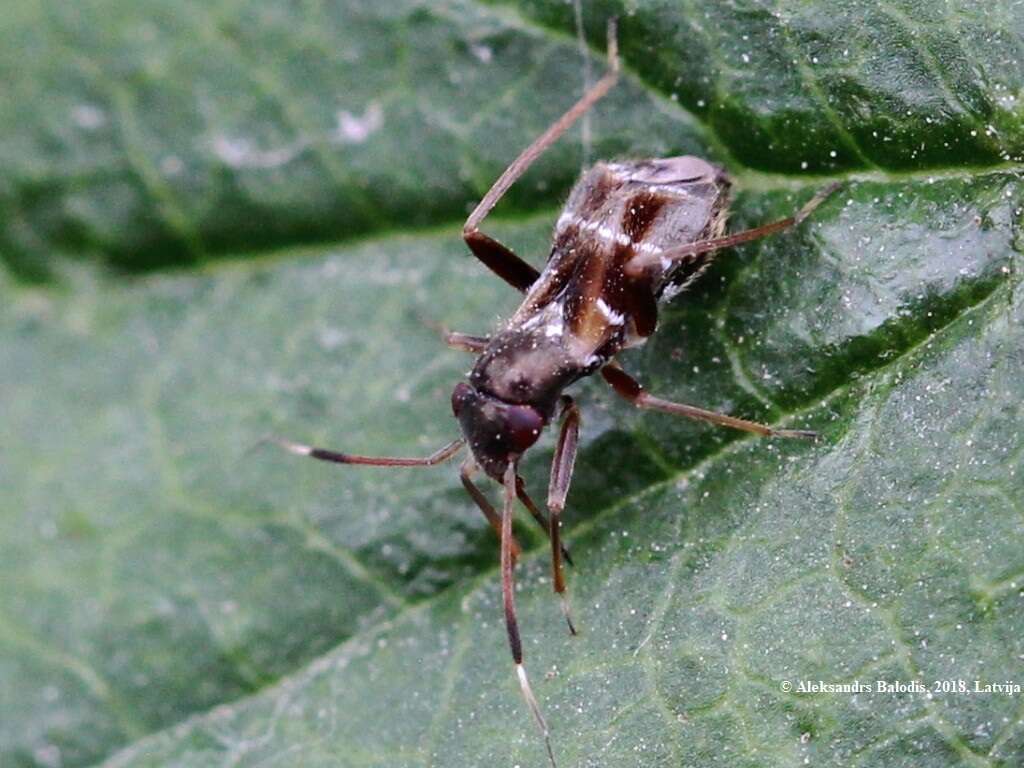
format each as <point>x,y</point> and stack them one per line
<point>168,595</point>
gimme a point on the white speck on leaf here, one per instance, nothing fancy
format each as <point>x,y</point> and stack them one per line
<point>171,165</point>
<point>242,153</point>
<point>88,117</point>
<point>482,52</point>
<point>355,129</point>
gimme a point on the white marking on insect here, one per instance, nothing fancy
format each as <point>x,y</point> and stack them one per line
<point>567,217</point>
<point>613,317</point>
<point>532,322</point>
<point>555,327</point>
<point>600,229</point>
<point>672,291</point>
<point>645,247</point>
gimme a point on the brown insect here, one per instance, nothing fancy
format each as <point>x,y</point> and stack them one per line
<point>632,234</point>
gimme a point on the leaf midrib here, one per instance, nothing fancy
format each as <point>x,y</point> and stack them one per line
<point>747,181</point>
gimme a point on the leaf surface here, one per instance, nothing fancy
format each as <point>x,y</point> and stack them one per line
<point>172,597</point>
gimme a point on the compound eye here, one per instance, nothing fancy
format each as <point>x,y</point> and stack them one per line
<point>523,425</point>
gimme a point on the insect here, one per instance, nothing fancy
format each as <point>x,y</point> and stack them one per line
<point>632,234</point>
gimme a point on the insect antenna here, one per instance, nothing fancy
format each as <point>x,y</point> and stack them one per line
<point>581,43</point>
<point>439,456</point>
<point>518,166</point>
<point>508,598</point>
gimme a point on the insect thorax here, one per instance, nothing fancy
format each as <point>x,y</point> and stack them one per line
<point>584,308</point>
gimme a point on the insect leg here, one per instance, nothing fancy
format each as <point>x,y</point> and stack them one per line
<point>558,489</point>
<point>501,260</point>
<point>466,475</point>
<point>466,342</point>
<point>629,388</point>
<point>508,599</point>
<point>640,264</point>
<point>537,514</point>
<point>439,456</point>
